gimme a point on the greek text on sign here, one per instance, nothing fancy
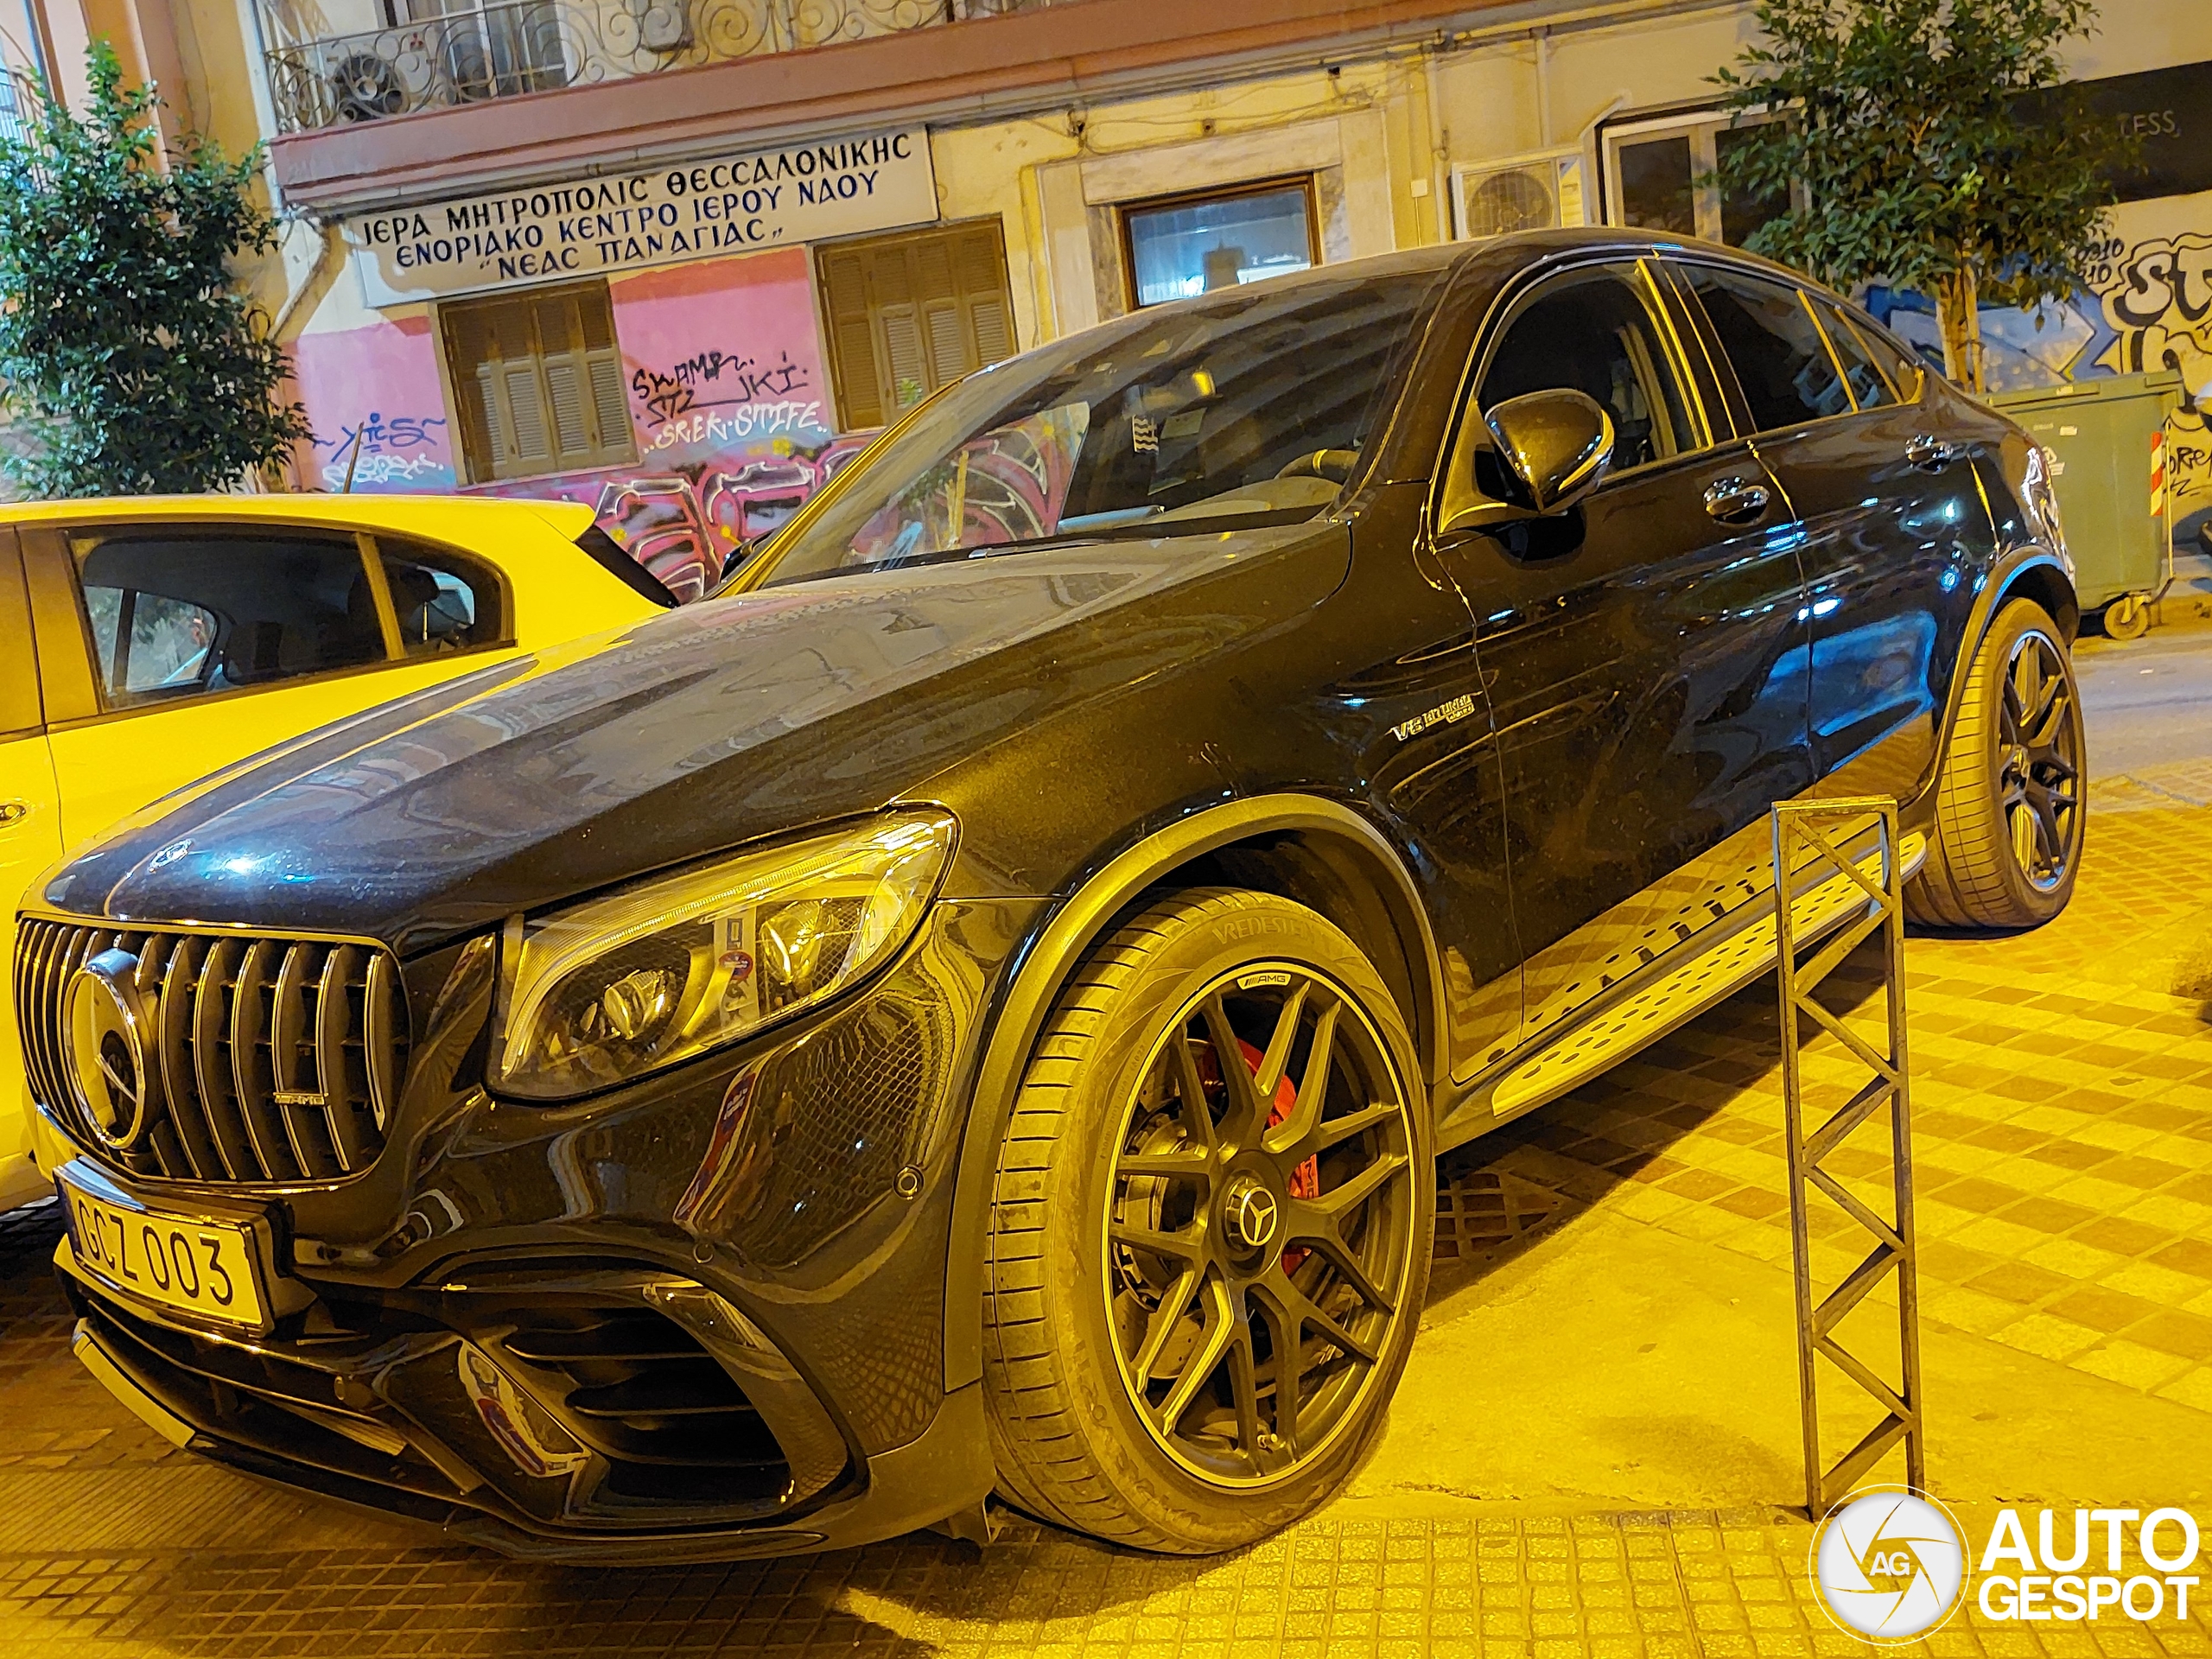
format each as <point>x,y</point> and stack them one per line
<point>596,226</point>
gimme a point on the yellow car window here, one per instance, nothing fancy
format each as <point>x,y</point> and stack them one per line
<point>177,613</point>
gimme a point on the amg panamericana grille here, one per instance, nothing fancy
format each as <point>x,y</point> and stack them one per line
<point>269,1058</point>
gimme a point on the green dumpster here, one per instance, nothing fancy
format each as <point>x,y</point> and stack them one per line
<point>2106,438</point>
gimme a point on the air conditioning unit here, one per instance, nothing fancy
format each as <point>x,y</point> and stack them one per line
<point>366,87</point>
<point>1522,193</point>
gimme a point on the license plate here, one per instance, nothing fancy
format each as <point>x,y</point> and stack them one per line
<point>190,1263</point>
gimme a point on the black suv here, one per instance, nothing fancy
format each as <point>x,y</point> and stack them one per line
<point>974,1006</point>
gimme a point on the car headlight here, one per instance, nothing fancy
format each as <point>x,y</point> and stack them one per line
<point>638,979</point>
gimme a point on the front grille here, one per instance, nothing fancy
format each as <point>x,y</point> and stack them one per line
<point>269,1058</point>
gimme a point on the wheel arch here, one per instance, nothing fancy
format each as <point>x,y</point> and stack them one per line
<point>1317,851</point>
<point>2028,571</point>
<point>2040,576</point>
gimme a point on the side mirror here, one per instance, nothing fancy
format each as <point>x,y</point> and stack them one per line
<point>1556,444</point>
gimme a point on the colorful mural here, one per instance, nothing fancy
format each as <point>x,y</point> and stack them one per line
<point>2146,305</point>
<point>730,407</point>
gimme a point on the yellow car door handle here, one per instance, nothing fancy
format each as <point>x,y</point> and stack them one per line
<point>13,813</point>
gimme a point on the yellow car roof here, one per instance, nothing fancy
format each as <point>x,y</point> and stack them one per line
<point>451,516</point>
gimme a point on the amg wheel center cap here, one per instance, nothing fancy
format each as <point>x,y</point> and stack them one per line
<point>2017,761</point>
<point>1249,1213</point>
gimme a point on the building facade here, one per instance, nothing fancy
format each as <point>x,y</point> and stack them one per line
<point>675,257</point>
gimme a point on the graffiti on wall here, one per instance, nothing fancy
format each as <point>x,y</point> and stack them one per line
<point>2145,304</point>
<point>380,449</point>
<point>686,524</point>
<point>374,399</point>
<point>2157,301</point>
<point>727,402</point>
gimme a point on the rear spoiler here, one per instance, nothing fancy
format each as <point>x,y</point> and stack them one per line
<point>608,555</point>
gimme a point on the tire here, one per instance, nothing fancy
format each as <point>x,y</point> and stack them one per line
<point>1113,1198</point>
<point>2010,806</point>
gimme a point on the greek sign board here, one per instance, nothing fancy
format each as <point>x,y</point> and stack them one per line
<point>596,226</point>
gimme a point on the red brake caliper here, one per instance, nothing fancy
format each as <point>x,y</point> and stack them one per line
<point>1305,1179</point>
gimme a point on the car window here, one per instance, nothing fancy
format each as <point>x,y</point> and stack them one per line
<point>1247,405</point>
<point>1870,388</point>
<point>1592,331</point>
<point>443,601</point>
<point>1900,365</point>
<point>1781,360</point>
<point>175,613</point>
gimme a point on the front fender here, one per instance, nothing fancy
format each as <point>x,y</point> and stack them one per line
<point>1050,956</point>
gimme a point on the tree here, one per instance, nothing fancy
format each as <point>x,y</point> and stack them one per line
<point>132,363</point>
<point>1903,130</point>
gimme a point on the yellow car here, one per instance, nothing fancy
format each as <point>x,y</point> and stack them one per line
<point>146,642</point>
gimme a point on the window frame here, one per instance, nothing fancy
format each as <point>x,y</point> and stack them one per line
<point>1125,235</point>
<point>1698,126</point>
<point>1451,488</point>
<point>465,469</point>
<point>73,683</point>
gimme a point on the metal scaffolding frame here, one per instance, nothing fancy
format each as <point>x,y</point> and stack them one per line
<point>1809,839</point>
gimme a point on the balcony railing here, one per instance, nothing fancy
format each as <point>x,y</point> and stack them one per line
<point>511,48</point>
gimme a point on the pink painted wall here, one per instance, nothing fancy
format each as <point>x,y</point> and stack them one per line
<point>729,405</point>
<point>373,395</point>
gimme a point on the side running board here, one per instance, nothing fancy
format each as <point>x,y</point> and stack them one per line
<point>1712,974</point>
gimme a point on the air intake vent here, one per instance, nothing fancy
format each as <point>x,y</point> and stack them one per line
<point>267,1059</point>
<point>638,1389</point>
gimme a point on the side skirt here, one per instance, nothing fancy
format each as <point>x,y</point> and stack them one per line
<point>1667,993</point>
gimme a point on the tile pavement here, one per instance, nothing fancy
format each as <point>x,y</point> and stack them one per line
<point>1666,1585</point>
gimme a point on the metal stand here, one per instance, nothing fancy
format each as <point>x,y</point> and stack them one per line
<point>1808,833</point>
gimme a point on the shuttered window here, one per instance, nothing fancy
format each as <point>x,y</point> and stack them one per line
<point>540,381</point>
<point>908,313</point>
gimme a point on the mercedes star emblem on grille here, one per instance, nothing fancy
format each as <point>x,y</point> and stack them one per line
<point>108,1025</point>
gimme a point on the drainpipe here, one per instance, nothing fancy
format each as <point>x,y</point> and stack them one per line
<point>313,282</point>
<point>1543,88</point>
<point>1439,153</point>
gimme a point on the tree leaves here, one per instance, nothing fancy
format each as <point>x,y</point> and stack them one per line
<point>1904,139</point>
<point>132,364</point>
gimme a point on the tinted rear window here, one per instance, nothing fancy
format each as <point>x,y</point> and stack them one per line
<point>1781,360</point>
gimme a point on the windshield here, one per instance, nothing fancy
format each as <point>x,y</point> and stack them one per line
<point>1243,407</point>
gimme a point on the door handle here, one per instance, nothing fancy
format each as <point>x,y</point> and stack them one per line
<point>13,813</point>
<point>1929,452</point>
<point>1735,500</point>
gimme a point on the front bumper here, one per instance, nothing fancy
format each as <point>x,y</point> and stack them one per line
<point>699,1318</point>
<point>428,1424</point>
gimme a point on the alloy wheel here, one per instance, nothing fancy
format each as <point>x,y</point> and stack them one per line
<point>1258,1228</point>
<point>2039,761</point>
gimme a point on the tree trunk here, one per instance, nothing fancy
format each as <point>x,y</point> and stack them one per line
<point>1958,314</point>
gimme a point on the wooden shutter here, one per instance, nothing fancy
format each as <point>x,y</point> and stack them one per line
<point>852,340</point>
<point>540,381</point>
<point>909,314</point>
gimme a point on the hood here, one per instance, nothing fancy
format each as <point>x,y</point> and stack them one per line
<point>551,776</point>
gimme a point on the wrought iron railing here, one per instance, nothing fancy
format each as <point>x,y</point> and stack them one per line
<point>510,48</point>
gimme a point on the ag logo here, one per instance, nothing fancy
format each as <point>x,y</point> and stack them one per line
<point>1889,1563</point>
